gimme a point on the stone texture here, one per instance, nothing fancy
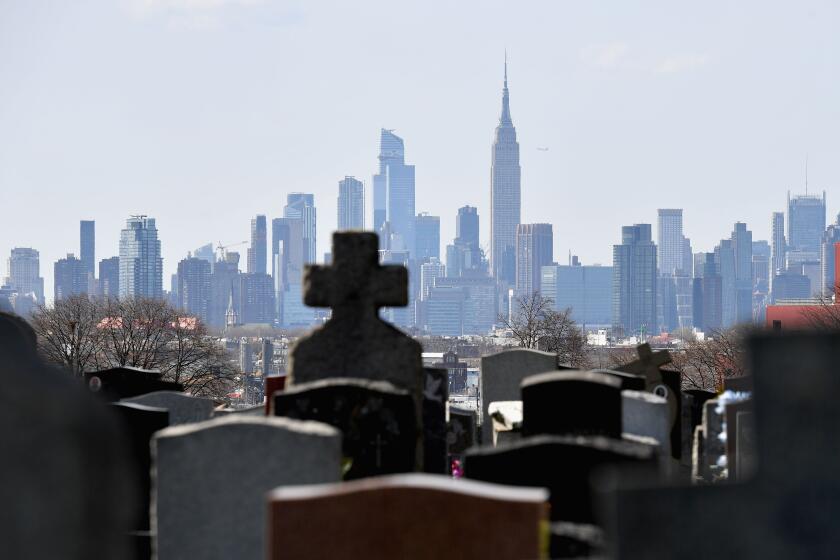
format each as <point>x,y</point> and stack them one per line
<point>376,419</point>
<point>789,509</point>
<point>461,430</point>
<point>182,408</point>
<point>501,375</point>
<point>563,464</point>
<point>571,403</point>
<point>210,480</point>
<point>416,516</point>
<point>435,397</point>
<point>691,417</point>
<point>646,414</point>
<point>731,412</point>
<point>745,445</point>
<point>67,481</point>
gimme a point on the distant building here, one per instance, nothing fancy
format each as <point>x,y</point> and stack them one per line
<point>742,245</point>
<point>23,270</point>
<point>464,256</point>
<point>109,278</point>
<point>256,299</point>
<point>193,287</point>
<point>791,285</point>
<point>393,190</point>
<point>70,277</point>
<point>267,356</point>
<point>670,240</point>
<point>806,224</point>
<point>224,290</point>
<point>831,236</point>
<point>207,253</point>
<point>707,294</point>
<point>351,204</point>
<point>427,237</point>
<point>87,246</point>
<point>246,357</point>
<point>480,301</point>
<point>257,250</point>
<point>505,195</point>
<point>301,206</point>
<point>634,282</point>
<point>445,311</point>
<point>725,261</point>
<point>586,290</point>
<point>141,265</point>
<point>428,272</point>
<point>534,250</point>
<point>778,247</point>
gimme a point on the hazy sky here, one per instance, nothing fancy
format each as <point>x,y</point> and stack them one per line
<point>203,113</point>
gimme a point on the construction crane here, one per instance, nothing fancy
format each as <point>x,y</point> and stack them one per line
<point>223,248</point>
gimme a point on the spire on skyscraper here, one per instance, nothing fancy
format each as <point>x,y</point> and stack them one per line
<point>505,119</point>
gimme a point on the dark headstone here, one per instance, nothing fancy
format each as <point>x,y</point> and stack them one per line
<point>742,383</point>
<point>66,483</point>
<point>140,423</point>
<point>790,507</point>
<point>125,382</point>
<point>461,430</point>
<point>183,408</point>
<point>629,381</point>
<point>415,516</point>
<point>355,342</point>
<point>501,375</point>
<point>571,403</point>
<point>434,421</point>
<point>745,445</point>
<point>692,415</point>
<point>376,419</point>
<point>563,464</point>
<point>732,411</point>
<point>273,383</point>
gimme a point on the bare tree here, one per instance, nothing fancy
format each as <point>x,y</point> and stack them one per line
<point>136,332</point>
<point>68,333</point>
<point>706,363</point>
<point>535,323</point>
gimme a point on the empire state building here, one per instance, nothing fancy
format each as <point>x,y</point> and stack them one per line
<point>505,195</point>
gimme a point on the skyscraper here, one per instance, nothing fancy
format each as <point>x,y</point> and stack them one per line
<point>831,236</point>
<point>725,261</point>
<point>778,247</point>
<point>351,204</point>
<point>109,278</point>
<point>70,277</point>
<point>534,250</point>
<point>505,194</point>
<point>87,246</point>
<point>256,299</point>
<point>586,290</point>
<point>806,224</point>
<point>427,237</point>
<point>393,190</point>
<point>428,272</point>
<point>742,247</point>
<point>23,272</point>
<point>634,281</point>
<point>465,257</point>
<point>141,266</point>
<point>302,207</point>
<point>286,263</point>
<point>257,250</point>
<point>224,290</point>
<point>670,240</point>
<point>193,282</point>
<point>466,226</point>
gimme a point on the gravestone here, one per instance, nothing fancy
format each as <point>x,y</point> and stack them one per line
<point>501,375</point>
<point>563,464</point>
<point>691,415</point>
<point>790,507</point>
<point>355,342</point>
<point>571,403</point>
<point>376,419</point>
<point>407,516</point>
<point>739,383</point>
<point>745,450</point>
<point>435,397</point>
<point>461,431</point>
<point>714,441</point>
<point>731,414</point>
<point>183,408</point>
<point>646,414</point>
<point>124,382</point>
<point>210,480</point>
<point>629,381</point>
<point>256,410</point>
<point>140,423</point>
<point>273,383</point>
<point>663,382</point>
<point>67,480</point>
<point>699,465</point>
<point>506,417</point>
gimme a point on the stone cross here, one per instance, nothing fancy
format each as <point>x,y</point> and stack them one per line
<point>791,506</point>
<point>355,342</point>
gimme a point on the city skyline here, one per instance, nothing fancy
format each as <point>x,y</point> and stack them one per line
<point>607,105</point>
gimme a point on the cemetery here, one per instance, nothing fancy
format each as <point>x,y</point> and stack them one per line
<point>357,452</point>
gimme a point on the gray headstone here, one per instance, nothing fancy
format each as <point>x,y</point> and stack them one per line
<point>210,481</point>
<point>790,507</point>
<point>501,375</point>
<point>182,408</point>
<point>646,414</point>
<point>67,483</point>
<point>744,445</point>
<point>506,417</point>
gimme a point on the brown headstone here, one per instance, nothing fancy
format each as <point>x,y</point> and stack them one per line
<point>409,516</point>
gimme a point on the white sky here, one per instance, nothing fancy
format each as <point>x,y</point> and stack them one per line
<point>203,113</point>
